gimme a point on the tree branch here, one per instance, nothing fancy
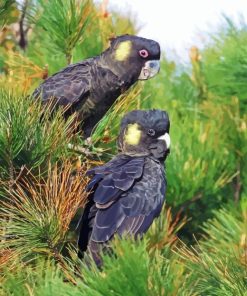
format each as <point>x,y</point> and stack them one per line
<point>23,32</point>
<point>186,204</point>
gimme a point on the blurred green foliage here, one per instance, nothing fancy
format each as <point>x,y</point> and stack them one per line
<point>41,190</point>
<point>7,12</point>
<point>225,63</point>
<point>218,263</point>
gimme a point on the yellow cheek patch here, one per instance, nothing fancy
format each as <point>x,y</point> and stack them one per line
<point>123,51</point>
<point>133,134</point>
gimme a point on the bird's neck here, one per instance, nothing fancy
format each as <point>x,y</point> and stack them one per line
<point>120,69</point>
<point>134,154</point>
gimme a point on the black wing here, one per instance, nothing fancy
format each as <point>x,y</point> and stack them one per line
<point>114,178</point>
<point>135,209</point>
<point>127,197</point>
<point>105,192</point>
<point>67,86</point>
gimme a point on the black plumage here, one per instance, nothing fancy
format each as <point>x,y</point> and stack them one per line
<point>90,87</point>
<point>128,192</point>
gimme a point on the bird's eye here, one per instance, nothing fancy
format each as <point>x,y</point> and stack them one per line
<point>151,132</point>
<point>143,53</point>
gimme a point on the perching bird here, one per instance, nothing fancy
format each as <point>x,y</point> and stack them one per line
<point>91,87</point>
<point>128,192</point>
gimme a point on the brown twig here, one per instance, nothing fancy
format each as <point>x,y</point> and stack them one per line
<point>237,184</point>
<point>186,204</point>
<point>59,259</point>
<point>23,32</point>
<point>68,57</point>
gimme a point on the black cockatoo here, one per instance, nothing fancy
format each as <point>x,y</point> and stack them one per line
<point>91,87</point>
<point>128,192</point>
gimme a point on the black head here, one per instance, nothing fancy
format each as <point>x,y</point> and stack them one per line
<point>145,133</point>
<point>135,56</point>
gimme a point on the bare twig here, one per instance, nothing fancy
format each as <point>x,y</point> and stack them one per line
<point>23,32</point>
<point>237,184</point>
<point>186,204</point>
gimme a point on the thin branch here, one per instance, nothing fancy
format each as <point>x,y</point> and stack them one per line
<point>186,204</point>
<point>59,259</point>
<point>23,32</point>
<point>237,184</point>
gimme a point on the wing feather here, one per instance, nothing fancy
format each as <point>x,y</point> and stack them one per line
<point>131,211</point>
<point>112,179</point>
<point>128,193</point>
<point>68,86</point>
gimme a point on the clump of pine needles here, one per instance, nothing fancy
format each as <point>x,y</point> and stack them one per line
<point>36,212</point>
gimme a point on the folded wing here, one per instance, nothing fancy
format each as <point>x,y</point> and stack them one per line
<point>128,193</point>
<point>67,86</point>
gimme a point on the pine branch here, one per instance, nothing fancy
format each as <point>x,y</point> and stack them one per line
<point>23,32</point>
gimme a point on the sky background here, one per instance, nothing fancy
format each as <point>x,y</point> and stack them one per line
<point>179,24</point>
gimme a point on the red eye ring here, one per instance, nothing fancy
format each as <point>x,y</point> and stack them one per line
<point>143,53</point>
